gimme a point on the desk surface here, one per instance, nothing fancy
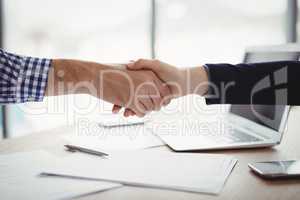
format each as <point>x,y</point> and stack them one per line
<point>242,184</point>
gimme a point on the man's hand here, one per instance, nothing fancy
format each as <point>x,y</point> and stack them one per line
<point>173,76</point>
<point>139,91</point>
<point>181,81</point>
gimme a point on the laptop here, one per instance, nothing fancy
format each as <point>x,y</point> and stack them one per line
<point>244,126</point>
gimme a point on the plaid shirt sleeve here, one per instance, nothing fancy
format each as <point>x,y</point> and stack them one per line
<point>22,79</point>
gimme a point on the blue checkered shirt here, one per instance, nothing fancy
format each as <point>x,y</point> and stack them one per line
<point>22,78</point>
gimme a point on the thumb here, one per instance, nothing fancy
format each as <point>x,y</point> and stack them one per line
<point>142,64</point>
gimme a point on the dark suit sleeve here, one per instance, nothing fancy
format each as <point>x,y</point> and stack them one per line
<point>269,83</point>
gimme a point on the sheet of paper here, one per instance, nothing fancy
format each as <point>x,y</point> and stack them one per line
<point>117,138</point>
<point>204,173</point>
<point>20,179</point>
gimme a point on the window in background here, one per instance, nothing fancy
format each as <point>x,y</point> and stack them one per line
<point>193,32</point>
<point>188,33</point>
<point>102,31</point>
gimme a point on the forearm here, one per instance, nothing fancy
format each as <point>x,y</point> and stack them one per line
<point>256,83</point>
<point>197,80</point>
<point>74,77</point>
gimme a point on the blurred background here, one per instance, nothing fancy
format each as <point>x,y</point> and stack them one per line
<point>184,33</point>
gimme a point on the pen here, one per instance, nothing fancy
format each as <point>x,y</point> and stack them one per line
<point>84,150</point>
<point>121,125</point>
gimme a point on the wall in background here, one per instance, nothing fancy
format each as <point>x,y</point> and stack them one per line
<point>188,33</point>
<point>195,32</point>
<point>101,31</point>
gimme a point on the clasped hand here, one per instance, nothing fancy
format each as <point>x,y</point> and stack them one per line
<point>153,84</point>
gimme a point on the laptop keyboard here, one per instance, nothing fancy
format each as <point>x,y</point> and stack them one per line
<point>235,136</point>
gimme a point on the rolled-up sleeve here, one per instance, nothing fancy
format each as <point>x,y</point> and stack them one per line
<point>22,79</point>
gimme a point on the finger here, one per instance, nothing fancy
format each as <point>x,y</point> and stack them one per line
<point>147,102</point>
<point>143,64</point>
<point>116,109</point>
<point>155,97</point>
<point>132,113</point>
<point>164,91</point>
<point>167,101</point>
<point>140,109</point>
<point>128,112</point>
<point>157,101</point>
<point>167,98</point>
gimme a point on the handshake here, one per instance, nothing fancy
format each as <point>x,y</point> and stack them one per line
<point>148,85</point>
<point>140,87</point>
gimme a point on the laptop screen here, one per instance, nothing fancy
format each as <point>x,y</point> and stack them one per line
<point>266,115</point>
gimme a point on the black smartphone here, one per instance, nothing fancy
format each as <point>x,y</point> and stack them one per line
<point>277,169</point>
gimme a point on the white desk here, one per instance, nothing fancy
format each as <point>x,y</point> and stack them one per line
<point>241,185</point>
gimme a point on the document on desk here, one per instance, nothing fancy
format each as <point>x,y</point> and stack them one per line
<point>19,179</point>
<point>190,172</point>
<point>116,138</point>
